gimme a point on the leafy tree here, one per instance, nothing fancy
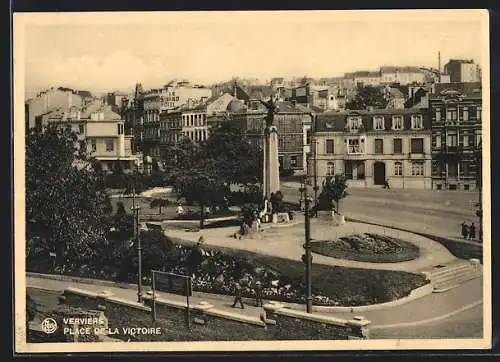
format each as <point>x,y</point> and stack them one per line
<point>157,251</point>
<point>334,189</point>
<point>120,209</point>
<point>238,160</point>
<point>159,203</point>
<point>202,184</point>
<point>65,198</point>
<point>368,96</point>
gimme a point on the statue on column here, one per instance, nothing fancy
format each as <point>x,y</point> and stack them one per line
<point>270,180</point>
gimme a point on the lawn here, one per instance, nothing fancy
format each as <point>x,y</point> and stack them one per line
<point>462,250</point>
<point>378,249</point>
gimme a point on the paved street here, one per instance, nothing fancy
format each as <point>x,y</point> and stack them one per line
<point>435,212</point>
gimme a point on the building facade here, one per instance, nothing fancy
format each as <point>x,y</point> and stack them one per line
<point>456,111</point>
<point>370,147</point>
<point>101,132</point>
<point>402,75</point>
<point>293,123</point>
<point>462,71</point>
<point>47,101</point>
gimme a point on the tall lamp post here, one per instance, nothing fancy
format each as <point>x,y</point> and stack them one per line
<point>307,257</point>
<point>137,238</point>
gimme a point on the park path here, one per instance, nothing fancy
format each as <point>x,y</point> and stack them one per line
<point>286,242</point>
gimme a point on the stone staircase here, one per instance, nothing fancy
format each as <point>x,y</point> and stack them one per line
<point>446,277</point>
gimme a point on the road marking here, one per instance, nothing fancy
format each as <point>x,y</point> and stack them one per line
<point>430,320</point>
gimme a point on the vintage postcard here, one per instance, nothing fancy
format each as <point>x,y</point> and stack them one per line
<point>252,181</point>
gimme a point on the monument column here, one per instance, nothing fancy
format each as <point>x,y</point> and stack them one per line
<point>271,179</point>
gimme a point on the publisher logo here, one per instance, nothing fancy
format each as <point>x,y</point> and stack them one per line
<point>49,325</point>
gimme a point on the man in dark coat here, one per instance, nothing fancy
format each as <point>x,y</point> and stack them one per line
<point>472,234</point>
<point>258,294</point>
<point>465,230</point>
<point>237,296</point>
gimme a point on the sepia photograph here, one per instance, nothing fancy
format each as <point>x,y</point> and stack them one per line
<point>251,181</point>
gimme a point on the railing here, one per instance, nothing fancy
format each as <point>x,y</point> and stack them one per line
<point>355,149</point>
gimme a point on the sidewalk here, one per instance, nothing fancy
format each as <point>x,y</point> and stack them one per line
<point>427,308</point>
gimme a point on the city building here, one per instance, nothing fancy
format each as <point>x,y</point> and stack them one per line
<point>370,147</point>
<point>156,101</point>
<point>47,101</point>
<point>193,121</point>
<point>456,111</point>
<point>293,123</point>
<point>101,131</point>
<point>402,75</point>
<point>462,71</point>
<point>364,78</point>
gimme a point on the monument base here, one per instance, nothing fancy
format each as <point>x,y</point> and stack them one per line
<point>338,219</point>
<point>281,218</point>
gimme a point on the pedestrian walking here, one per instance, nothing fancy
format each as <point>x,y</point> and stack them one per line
<point>237,296</point>
<point>472,231</point>
<point>465,230</point>
<point>180,210</point>
<point>258,294</point>
<point>386,184</point>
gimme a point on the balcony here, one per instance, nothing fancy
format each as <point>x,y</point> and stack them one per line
<point>355,152</point>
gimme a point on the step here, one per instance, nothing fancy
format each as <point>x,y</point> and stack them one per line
<point>458,279</point>
<point>451,275</point>
<point>454,284</point>
<point>450,268</point>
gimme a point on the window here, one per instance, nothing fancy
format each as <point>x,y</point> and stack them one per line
<point>353,146</point>
<point>397,122</point>
<point>464,142</point>
<point>398,146</point>
<point>354,123</point>
<point>417,168</point>
<point>478,113</point>
<point>451,115</point>
<point>308,137</point>
<point>329,146</point>
<point>465,114</point>
<point>110,145</point>
<point>451,140</point>
<point>465,169</point>
<point>417,122</point>
<point>80,128</point>
<point>398,169</point>
<point>438,115</point>
<point>93,144</point>
<point>438,141</point>
<point>330,169</point>
<point>417,145</point>
<point>378,123</point>
<point>478,140</point>
<point>379,145</point>
<point>120,129</point>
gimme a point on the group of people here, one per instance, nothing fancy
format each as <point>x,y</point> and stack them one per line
<point>468,231</point>
<point>238,297</point>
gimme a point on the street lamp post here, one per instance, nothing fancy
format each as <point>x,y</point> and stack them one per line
<point>307,258</point>
<point>137,238</point>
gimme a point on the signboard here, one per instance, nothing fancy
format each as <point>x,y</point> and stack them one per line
<point>172,283</point>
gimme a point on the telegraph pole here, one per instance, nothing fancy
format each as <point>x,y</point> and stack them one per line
<point>307,257</point>
<point>137,238</point>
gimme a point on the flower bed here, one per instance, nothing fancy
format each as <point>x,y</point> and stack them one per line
<point>368,247</point>
<point>283,279</point>
<point>219,269</point>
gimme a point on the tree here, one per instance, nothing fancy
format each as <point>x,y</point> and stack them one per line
<point>334,189</point>
<point>202,184</point>
<point>120,209</point>
<point>65,198</point>
<point>238,160</point>
<point>368,96</point>
<point>157,251</point>
<point>159,203</point>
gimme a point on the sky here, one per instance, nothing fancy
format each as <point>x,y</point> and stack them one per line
<point>104,52</point>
